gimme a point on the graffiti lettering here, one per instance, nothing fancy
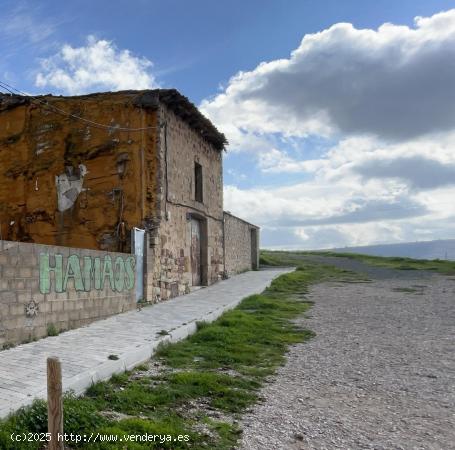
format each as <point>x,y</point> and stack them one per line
<point>94,273</point>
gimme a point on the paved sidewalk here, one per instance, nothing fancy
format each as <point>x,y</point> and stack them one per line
<point>132,336</point>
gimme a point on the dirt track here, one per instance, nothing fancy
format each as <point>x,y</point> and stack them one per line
<point>380,373</point>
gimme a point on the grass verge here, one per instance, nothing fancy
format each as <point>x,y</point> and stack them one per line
<point>277,258</point>
<point>198,387</point>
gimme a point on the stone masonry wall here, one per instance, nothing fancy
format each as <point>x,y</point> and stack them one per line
<point>169,253</point>
<point>241,246</point>
<point>43,286</point>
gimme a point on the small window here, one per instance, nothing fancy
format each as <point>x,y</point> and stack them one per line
<point>198,194</point>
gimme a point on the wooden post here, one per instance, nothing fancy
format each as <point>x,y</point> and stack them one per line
<point>54,404</point>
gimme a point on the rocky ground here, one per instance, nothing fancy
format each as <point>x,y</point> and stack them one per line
<point>380,373</point>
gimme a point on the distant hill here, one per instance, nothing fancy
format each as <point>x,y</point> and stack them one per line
<point>441,249</point>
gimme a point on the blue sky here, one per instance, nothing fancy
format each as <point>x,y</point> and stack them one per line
<point>318,139</point>
<point>194,48</point>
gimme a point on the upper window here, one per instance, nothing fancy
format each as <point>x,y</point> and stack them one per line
<point>198,191</point>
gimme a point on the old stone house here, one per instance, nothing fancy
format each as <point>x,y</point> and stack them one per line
<point>128,172</point>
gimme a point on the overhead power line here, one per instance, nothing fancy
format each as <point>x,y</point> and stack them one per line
<point>12,90</point>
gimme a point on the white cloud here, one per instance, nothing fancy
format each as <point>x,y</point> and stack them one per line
<point>395,82</point>
<point>99,65</point>
<point>387,98</point>
<point>313,215</point>
<point>278,161</point>
<point>340,206</point>
<point>25,25</point>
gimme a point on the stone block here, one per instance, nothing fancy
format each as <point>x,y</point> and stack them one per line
<point>20,283</point>
<point>32,284</point>
<point>4,310</point>
<point>14,260</point>
<point>8,297</point>
<point>10,272</point>
<point>24,297</point>
<point>74,315</point>
<point>57,306</point>
<point>18,335</point>
<point>73,295</point>
<point>25,272</point>
<point>63,317</point>
<point>16,309</point>
<point>25,249</point>
<point>39,332</point>
<point>69,305</point>
<point>45,307</point>
<point>16,322</point>
<point>13,250</point>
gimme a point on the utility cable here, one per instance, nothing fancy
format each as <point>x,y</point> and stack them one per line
<point>12,90</point>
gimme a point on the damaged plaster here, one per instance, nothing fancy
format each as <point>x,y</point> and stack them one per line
<point>69,186</point>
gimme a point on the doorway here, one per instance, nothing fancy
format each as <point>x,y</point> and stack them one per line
<point>254,249</point>
<point>196,252</point>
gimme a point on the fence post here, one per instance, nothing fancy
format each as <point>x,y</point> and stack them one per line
<point>54,404</point>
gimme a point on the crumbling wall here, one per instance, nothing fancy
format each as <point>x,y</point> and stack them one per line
<point>241,244</point>
<point>170,248</point>
<point>67,182</point>
<point>71,183</point>
<point>59,288</point>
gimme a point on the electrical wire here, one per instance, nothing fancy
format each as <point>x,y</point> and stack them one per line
<point>12,90</point>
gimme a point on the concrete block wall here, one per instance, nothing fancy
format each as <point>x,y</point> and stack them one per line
<point>32,297</point>
<point>241,245</point>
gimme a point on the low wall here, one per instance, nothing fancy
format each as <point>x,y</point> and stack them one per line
<point>45,286</point>
<point>241,245</point>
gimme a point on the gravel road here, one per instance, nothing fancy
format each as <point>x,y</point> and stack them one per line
<point>380,373</point>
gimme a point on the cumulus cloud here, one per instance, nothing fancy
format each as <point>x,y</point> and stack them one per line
<point>339,207</point>
<point>386,98</point>
<point>396,82</point>
<point>99,65</point>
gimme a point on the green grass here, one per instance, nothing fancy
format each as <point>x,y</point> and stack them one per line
<point>219,368</point>
<point>52,330</point>
<point>275,258</point>
<point>436,265</point>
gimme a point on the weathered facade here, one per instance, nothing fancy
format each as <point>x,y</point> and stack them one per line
<point>178,262</point>
<point>60,178</point>
<point>85,171</point>
<point>241,245</point>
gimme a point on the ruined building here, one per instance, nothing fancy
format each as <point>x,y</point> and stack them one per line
<point>128,172</point>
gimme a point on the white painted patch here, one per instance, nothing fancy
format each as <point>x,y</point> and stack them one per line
<point>69,187</point>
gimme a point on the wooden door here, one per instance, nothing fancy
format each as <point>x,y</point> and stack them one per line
<point>196,251</point>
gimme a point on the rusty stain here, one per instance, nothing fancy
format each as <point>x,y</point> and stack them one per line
<point>38,144</point>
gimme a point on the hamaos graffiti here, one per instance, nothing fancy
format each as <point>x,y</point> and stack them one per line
<point>93,273</point>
